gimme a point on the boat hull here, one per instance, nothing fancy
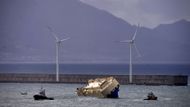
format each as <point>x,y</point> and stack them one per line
<point>41,97</point>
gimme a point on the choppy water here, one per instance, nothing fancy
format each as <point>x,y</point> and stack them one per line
<point>65,96</point>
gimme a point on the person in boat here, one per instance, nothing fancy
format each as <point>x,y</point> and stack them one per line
<point>151,94</point>
<point>42,92</point>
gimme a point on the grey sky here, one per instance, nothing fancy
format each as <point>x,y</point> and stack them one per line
<point>150,13</point>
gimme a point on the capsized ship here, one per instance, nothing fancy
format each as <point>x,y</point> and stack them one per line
<point>107,87</point>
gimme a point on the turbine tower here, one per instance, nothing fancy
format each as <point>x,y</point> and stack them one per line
<point>58,43</point>
<point>132,44</point>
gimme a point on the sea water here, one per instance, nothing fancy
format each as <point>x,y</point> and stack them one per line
<point>65,96</point>
<point>121,69</point>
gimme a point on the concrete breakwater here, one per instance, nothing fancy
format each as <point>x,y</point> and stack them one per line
<point>83,78</point>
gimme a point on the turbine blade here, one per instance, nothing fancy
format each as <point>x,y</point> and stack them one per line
<point>65,39</point>
<point>134,36</point>
<point>53,34</point>
<point>126,41</point>
<point>136,49</point>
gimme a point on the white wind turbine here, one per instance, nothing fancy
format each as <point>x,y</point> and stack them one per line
<point>131,43</point>
<point>57,42</point>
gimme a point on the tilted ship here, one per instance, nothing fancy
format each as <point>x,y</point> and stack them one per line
<point>107,87</point>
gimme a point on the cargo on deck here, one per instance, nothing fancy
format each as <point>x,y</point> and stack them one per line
<point>107,87</point>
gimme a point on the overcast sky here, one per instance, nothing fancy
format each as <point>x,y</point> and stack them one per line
<point>150,13</point>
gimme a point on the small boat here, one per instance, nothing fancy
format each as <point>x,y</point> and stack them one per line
<point>23,93</point>
<point>42,96</point>
<point>107,87</point>
<point>151,96</point>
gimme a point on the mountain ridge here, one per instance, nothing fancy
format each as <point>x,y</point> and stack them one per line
<point>93,35</point>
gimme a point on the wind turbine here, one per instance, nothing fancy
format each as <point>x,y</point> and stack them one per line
<point>132,44</point>
<point>58,43</point>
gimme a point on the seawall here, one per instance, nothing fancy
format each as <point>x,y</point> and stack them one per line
<point>179,80</point>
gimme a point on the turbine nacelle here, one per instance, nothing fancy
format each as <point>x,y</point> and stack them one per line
<point>132,41</point>
<point>128,41</point>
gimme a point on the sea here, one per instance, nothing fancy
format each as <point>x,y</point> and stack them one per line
<point>119,69</point>
<point>65,96</point>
